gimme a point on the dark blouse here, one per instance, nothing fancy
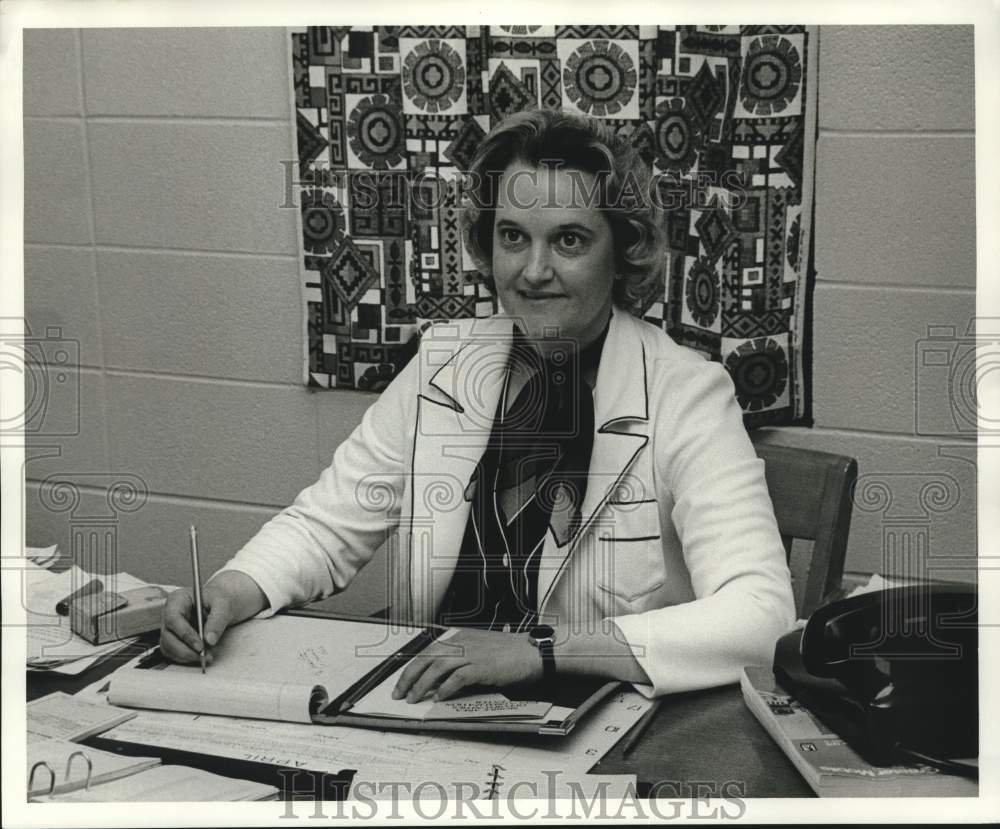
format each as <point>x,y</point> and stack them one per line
<point>531,479</point>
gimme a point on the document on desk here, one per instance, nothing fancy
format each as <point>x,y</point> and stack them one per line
<point>379,758</point>
<point>335,672</point>
<point>381,754</point>
<point>60,716</point>
<point>483,707</point>
<point>284,668</point>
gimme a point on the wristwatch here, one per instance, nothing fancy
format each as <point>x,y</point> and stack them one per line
<point>543,637</point>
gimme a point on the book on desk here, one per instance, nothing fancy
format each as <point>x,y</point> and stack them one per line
<point>339,671</point>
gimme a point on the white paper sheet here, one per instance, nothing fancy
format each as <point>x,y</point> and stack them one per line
<point>42,556</point>
<point>384,755</point>
<point>268,669</point>
<point>60,716</point>
<point>304,650</point>
<point>212,694</point>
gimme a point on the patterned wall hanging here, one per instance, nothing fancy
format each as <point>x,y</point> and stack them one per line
<point>387,118</point>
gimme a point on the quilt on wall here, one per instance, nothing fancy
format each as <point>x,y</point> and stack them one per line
<point>388,117</point>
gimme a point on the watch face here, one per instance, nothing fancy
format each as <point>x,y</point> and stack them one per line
<point>540,632</point>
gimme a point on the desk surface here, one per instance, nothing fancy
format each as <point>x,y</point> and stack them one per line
<point>706,738</point>
<point>709,737</point>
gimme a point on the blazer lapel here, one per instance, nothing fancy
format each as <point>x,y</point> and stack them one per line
<point>454,421</point>
<point>621,417</point>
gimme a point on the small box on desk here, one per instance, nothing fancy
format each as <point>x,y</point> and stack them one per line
<point>106,616</point>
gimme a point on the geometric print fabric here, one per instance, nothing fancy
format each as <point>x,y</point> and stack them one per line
<point>388,117</point>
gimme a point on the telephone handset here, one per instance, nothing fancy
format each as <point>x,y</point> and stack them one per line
<point>894,672</point>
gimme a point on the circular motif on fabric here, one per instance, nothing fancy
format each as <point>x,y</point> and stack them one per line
<point>376,133</point>
<point>760,372</point>
<point>322,221</point>
<point>433,76</point>
<point>676,136</point>
<point>600,77</point>
<point>772,74</point>
<point>703,292</point>
<point>519,30</point>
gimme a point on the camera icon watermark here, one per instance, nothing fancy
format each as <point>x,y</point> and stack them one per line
<point>951,375</point>
<point>48,365</point>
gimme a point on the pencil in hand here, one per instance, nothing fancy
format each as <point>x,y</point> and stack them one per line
<point>197,594</point>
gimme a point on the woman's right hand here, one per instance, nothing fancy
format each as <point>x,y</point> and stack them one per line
<point>228,597</point>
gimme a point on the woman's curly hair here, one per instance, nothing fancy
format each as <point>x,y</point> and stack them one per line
<point>540,137</point>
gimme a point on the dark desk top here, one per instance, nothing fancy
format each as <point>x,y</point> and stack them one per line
<point>708,739</point>
<point>700,744</point>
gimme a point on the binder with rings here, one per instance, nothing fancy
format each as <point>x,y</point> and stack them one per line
<point>44,764</point>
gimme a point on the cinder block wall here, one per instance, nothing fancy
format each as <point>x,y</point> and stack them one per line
<point>896,254</point>
<point>155,237</point>
<point>156,241</point>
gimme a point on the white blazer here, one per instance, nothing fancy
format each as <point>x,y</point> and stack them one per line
<point>678,554</point>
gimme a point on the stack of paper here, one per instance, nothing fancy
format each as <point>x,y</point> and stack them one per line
<point>59,716</point>
<point>338,672</point>
<point>463,763</point>
<point>59,769</point>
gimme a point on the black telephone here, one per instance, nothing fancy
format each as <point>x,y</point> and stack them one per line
<point>894,673</point>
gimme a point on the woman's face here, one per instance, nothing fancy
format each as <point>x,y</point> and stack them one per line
<point>553,255</point>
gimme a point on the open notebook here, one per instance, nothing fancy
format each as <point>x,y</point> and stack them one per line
<point>338,672</point>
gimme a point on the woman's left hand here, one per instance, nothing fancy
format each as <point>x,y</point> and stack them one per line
<point>469,657</point>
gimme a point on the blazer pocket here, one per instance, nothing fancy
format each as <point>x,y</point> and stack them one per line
<point>632,568</point>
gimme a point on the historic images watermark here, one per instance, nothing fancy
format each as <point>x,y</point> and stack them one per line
<point>549,795</point>
<point>428,190</point>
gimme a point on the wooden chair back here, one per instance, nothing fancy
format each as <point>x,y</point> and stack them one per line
<point>812,493</point>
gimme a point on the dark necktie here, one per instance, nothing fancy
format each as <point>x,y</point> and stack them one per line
<point>532,475</point>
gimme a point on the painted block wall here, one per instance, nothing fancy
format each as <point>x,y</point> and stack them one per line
<point>895,291</point>
<point>157,245</point>
<point>156,248</point>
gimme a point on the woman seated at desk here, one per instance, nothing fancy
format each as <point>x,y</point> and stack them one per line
<point>562,481</point>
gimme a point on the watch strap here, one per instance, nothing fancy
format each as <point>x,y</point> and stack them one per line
<point>548,659</point>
